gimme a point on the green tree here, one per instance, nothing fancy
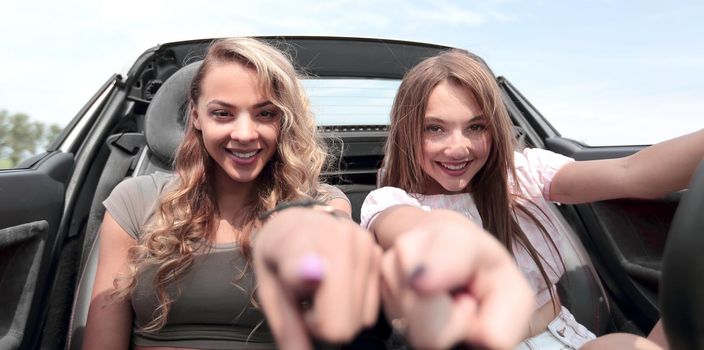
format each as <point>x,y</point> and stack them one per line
<point>21,137</point>
<point>4,131</point>
<point>51,133</point>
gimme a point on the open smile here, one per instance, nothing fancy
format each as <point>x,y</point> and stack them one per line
<point>453,168</point>
<point>243,157</point>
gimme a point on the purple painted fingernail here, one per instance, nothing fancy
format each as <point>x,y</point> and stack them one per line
<point>311,268</point>
<point>417,272</point>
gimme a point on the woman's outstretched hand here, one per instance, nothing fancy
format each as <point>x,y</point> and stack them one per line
<point>448,282</point>
<point>318,277</point>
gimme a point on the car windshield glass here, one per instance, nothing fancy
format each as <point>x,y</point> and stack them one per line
<point>351,101</point>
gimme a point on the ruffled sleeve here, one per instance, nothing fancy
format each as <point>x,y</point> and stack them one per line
<point>382,199</point>
<point>536,168</point>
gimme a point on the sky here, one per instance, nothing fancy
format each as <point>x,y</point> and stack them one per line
<point>602,72</point>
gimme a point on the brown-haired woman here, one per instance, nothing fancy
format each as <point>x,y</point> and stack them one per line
<point>450,161</point>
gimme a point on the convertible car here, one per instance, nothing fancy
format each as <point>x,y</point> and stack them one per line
<point>618,278</point>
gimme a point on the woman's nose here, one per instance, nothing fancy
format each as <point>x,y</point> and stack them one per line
<point>459,147</point>
<point>244,129</point>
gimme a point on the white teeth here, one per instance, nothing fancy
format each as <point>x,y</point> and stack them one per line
<point>454,166</point>
<point>244,155</point>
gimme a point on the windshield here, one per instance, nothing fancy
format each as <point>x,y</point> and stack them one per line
<point>351,101</point>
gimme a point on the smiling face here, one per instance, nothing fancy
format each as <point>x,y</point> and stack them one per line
<point>456,140</point>
<point>239,124</point>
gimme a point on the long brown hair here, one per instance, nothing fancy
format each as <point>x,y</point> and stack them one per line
<point>496,198</point>
<point>185,217</point>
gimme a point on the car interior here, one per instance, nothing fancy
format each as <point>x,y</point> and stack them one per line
<point>360,150</point>
<point>135,122</point>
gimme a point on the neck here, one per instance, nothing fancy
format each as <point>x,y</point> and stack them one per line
<point>231,196</point>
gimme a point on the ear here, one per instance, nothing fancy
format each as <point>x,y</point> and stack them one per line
<point>194,118</point>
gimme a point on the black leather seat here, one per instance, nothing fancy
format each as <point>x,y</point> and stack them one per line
<point>164,128</point>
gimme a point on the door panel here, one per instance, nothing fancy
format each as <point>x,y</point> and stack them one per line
<point>31,206</point>
<point>21,248</point>
<point>626,237</point>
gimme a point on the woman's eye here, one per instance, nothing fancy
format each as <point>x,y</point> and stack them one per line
<point>220,113</point>
<point>267,114</point>
<point>433,128</point>
<point>477,127</point>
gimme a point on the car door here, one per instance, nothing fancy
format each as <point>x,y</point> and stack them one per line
<point>36,201</point>
<point>31,206</point>
<point>625,238</point>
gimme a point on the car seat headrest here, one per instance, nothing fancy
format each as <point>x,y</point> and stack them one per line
<point>165,120</point>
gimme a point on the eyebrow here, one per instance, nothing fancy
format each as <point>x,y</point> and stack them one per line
<point>228,105</point>
<point>475,119</point>
<point>263,104</point>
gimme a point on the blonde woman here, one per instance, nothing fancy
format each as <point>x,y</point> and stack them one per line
<point>176,250</point>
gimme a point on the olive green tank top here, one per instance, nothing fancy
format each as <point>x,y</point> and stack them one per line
<point>213,300</point>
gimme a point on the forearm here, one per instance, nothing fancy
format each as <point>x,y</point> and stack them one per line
<point>651,173</point>
<point>341,207</point>
<point>392,222</point>
<point>395,221</point>
<point>665,167</point>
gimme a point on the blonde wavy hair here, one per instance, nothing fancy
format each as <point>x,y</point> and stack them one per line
<point>497,201</point>
<point>185,221</point>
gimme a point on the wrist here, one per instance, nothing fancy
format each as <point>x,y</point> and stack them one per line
<point>301,203</point>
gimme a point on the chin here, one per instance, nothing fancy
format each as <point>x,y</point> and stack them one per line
<point>245,177</point>
<point>455,187</point>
